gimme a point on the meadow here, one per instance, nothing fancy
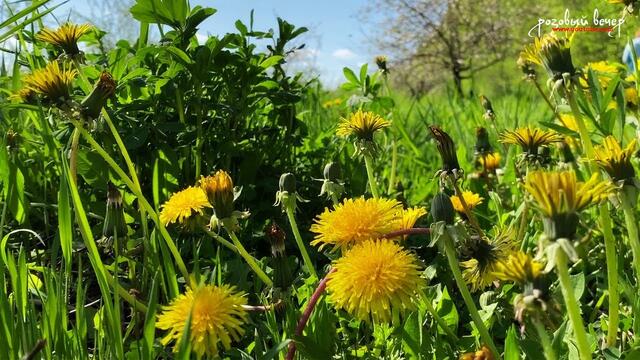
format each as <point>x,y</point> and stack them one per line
<point>178,199</point>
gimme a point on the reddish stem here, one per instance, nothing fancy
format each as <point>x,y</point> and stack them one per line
<point>412,231</point>
<point>323,285</point>
<point>307,313</point>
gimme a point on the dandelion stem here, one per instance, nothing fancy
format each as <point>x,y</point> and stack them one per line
<point>304,318</point>
<point>296,234</point>
<point>466,295</point>
<point>73,155</point>
<point>334,199</point>
<point>368,163</point>
<point>549,354</point>
<point>605,220</point>
<point>612,275</point>
<point>222,241</point>
<point>248,258</point>
<point>394,165</point>
<point>571,303</point>
<point>546,100</point>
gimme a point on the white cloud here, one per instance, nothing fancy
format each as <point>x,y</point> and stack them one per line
<point>202,38</point>
<point>343,54</point>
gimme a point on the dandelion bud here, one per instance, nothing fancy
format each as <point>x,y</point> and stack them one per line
<point>282,272</point>
<point>447,151</point>
<point>276,237</point>
<point>219,190</point>
<point>381,61</point>
<point>287,183</point>
<point>332,172</point>
<point>114,224</point>
<point>483,145</point>
<point>488,108</point>
<point>442,208</point>
<point>97,99</point>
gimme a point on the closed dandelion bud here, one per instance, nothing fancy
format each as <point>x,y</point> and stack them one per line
<point>287,183</point>
<point>442,208</point>
<point>276,237</point>
<point>219,190</point>
<point>381,62</point>
<point>447,150</point>
<point>282,272</point>
<point>114,224</point>
<point>332,172</point>
<point>483,146</point>
<point>92,105</point>
<point>488,108</point>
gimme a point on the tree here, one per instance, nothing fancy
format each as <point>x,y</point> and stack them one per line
<point>430,38</point>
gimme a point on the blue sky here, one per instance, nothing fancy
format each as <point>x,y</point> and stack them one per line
<point>335,39</point>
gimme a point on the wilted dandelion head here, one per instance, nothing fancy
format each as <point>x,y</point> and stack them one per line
<point>354,221</point>
<point>217,316</point>
<point>553,53</point>
<point>362,124</point>
<point>520,267</point>
<point>376,281</point>
<point>615,160</point>
<point>65,37</point>
<point>530,139</point>
<point>219,190</point>
<point>471,199</point>
<point>104,89</point>
<point>483,145</point>
<point>183,204</point>
<point>483,256</point>
<point>53,82</point>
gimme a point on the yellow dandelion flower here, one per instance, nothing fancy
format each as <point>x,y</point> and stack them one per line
<point>483,354</point>
<point>490,162</point>
<point>332,103</point>
<point>614,160</point>
<point>354,221</point>
<point>376,281</point>
<point>604,71</point>
<point>217,316</point>
<point>559,192</point>
<point>569,121</point>
<point>65,37</point>
<point>553,53</point>
<point>183,204</point>
<point>483,256</point>
<point>519,268</point>
<point>530,138</point>
<point>407,217</point>
<point>631,97</point>
<point>362,124</point>
<point>559,196</point>
<point>53,82</point>
<point>219,190</point>
<point>472,200</point>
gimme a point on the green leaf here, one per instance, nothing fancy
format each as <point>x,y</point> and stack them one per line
<point>65,224</point>
<point>363,73</point>
<point>271,61</point>
<point>167,12</point>
<point>577,282</point>
<point>447,310</point>
<point>350,76</point>
<point>511,348</point>
<point>179,55</point>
